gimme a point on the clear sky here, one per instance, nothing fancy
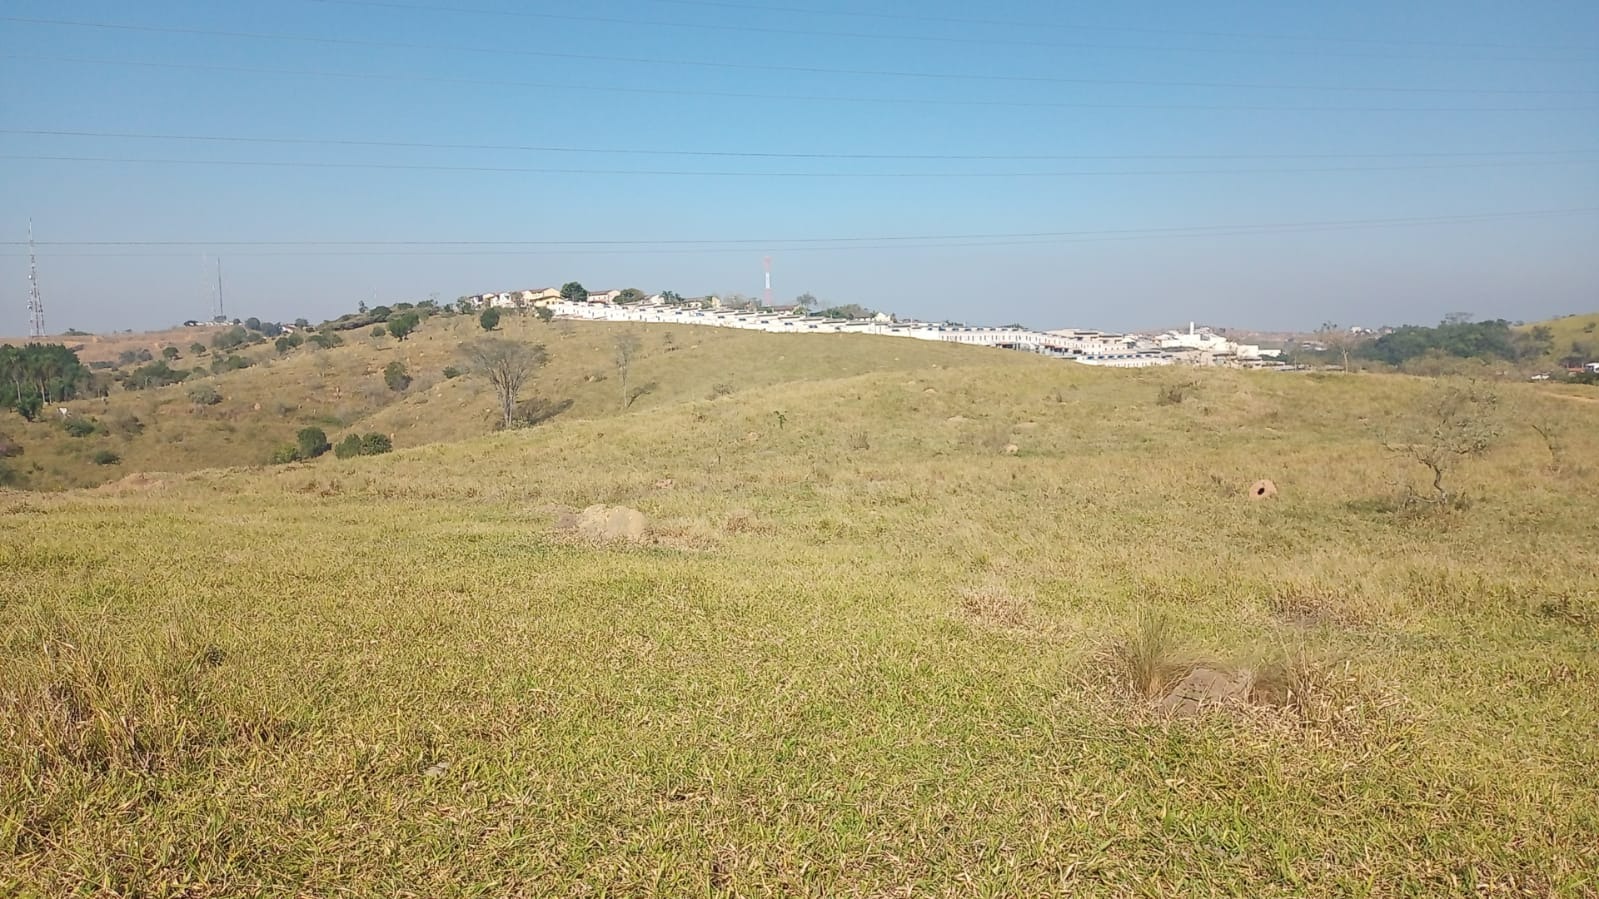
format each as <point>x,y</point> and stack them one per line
<point>1173,144</point>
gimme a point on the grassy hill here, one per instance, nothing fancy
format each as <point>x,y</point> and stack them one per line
<point>1572,329</point>
<point>884,637</point>
<point>343,390</point>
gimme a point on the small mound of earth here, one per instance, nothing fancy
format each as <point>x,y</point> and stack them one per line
<point>136,481</point>
<point>1262,489</point>
<point>1206,686</point>
<point>600,522</point>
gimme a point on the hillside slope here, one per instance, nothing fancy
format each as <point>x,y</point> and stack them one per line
<point>865,649</point>
<point>343,390</point>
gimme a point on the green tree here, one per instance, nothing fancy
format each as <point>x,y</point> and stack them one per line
<point>170,353</point>
<point>349,446</point>
<point>490,319</point>
<point>253,323</point>
<point>805,301</point>
<point>544,313</point>
<point>401,326</point>
<point>574,292</point>
<point>506,365</point>
<point>395,375</point>
<point>631,295</point>
<point>376,444</point>
<point>378,331</point>
<point>311,442</point>
<point>197,349</point>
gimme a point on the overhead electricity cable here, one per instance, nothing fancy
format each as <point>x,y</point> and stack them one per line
<point>1123,29</point>
<point>817,98</point>
<point>962,41</point>
<point>787,244</point>
<point>423,167</point>
<point>763,67</point>
<point>746,154</point>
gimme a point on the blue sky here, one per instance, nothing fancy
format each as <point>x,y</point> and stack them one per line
<point>1150,116</point>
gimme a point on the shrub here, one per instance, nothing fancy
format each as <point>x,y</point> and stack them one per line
<point>395,375</point>
<point>9,477</point>
<point>376,444</point>
<point>78,426</point>
<point>378,331</point>
<point>326,341</point>
<point>490,319</point>
<point>232,337</point>
<point>349,446</point>
<point>230,363</point>
<point>311,442</point>
<point>401,326</point>
<point>197,349</point>
<point>284,454</point>
<point>170,353</point>
<point>155,374</point>
<point>720,390</point>
<point>105,457</point>
<point>451,372</point>
<point>9,447</point>
<point>204,395</point>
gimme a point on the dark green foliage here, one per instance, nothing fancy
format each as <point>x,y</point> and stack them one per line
<point>9,476</point>
<point>401,326</point>
<point>9,447</point>
<point>631,295</point>
<point>490,319</point>
<point>38,374</point>
<point>284,454</point>
<point>197,349</point>
<point>1459,338</point>
<point>543,312</point>
<point>326,340</point>
<point>847,311</point>
<point>302,324</point>
<point>155,374</point>
<point>363,445</point>
<point>78,426</point>
<point>105,457</point>
<point>311,442</point>
<point>574,292</point>
<point>170,353</point>
<point>378,331</point>
<point>229,363</point>
<point>395,375</point>
<point>380,313</point>
<point>231,338</point>
<point>451,372</point>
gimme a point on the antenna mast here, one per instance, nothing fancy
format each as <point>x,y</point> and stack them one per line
<point>768,264</point>
<point>221,310</point>
<point>35,304</point>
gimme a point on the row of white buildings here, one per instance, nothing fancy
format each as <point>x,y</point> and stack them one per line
<point>1196,347</point>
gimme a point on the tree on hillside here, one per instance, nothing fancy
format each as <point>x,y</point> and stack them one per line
<point>544,313</point>
<point>506,365</point>
<point>401,326</point>
<point>490,319</point>
<point>574,292</point>
<point>805,301</point>
<point>671,297</point>
<point>170,353</point>
<point>627,348</point>
<point>465,305</point>
<point>38,374</point>
<point>310,443</point>
<point>1453,423</point>
<point>395,375</point>
<point>631,295</point>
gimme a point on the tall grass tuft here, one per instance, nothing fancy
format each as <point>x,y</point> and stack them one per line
<point>1148,659</point>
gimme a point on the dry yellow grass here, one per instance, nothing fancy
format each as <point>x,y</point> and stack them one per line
<point>862,651</point>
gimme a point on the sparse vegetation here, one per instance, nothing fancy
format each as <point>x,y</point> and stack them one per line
<point>395,376</point>
<point>105,457</point>
<point>78,426</point>
<point>506,366</point>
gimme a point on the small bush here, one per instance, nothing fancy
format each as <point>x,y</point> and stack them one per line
<point>451,372</point>
<point>9,447</point>
<point>105,457</point>
<point>395,375</point>
<point>230,363</point>
<point>720,390</point>
<point>1174,394</point>
<point>197,349</point>
<point>284,454</point>
<point>77,426</point>
<point>378,331</point>
<point>376,444</point>
<point>311,442</point>
<point>170,353</point>
<point>349,446</point>
<point>204,395</point>
<point>490,319</point>
<point>1147,658</point>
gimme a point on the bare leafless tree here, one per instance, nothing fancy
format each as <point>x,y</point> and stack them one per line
<point>1455,422</point>
<point>506,365</point>
<point>627,348</point>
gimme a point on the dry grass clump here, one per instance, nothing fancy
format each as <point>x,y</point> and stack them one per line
<point>1319,693</point>
<point>992,605</point>
<point>1149,660</point>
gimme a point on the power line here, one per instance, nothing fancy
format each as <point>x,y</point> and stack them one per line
<point>490,169</point>
<point>790,244</point>
<point>820,98</point>
<point>743,154</point>
<point>963,41</point>
<point>1012,23</point>
<point>811,70</point>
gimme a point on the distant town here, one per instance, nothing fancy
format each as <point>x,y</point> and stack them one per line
<point>1194,346</point>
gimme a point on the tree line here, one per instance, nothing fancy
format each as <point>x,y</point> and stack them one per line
<point>38,374</point>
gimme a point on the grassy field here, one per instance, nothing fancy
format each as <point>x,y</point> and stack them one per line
<point>877,642</point>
